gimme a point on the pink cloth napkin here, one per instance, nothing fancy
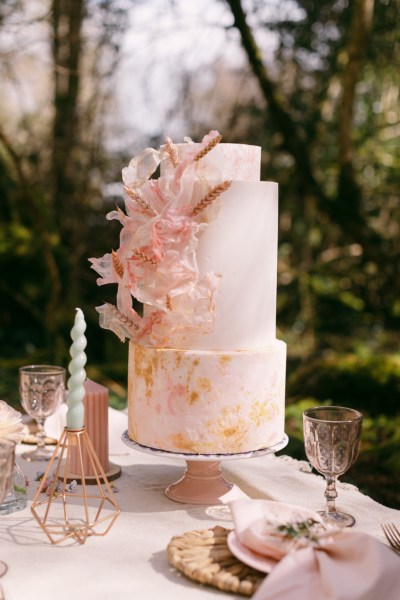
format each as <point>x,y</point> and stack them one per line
<point>348,565</point>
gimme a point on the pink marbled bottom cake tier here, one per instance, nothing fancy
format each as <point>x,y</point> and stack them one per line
<point>206,402</point>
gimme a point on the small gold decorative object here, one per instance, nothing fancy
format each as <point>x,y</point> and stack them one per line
<point>68,513</point>
<point>204,556</point>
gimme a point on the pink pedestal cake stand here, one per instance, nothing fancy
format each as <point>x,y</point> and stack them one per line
<point>202,481</point>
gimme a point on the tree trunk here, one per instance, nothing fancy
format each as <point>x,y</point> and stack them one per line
<point>294,141</point>
<point>349,192</point>
<point>67,42</point>
<point>66,174</point>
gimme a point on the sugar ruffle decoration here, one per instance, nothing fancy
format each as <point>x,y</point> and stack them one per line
<point>156,260</point>
<point>11,426</point>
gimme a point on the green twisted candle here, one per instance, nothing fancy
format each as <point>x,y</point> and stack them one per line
<point>76,393</point>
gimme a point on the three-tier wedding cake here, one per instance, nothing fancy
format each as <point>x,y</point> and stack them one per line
<point>198,248</point>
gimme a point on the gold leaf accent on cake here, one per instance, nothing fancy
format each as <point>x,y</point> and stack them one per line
<point>231,427</point>
<point>133,327</point>
<point>209,147</point>
<point>171,151</point>
<point>145,365</point>
<point>140,201</point>
<point>231,431</point>
<point>225,359</point>
<point>210,197</point>
<point>182,443</point>
<point>204,384</point>
<point>168,302</point>
<point>118,266</point>
<point>194,396</point>
<point>145,257</point>
<point>260,413</point>
<point>275,408</point>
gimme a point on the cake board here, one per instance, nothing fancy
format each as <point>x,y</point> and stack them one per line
<point>202,481</point>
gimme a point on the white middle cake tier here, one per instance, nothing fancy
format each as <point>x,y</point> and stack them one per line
<point>207,402</point>
<point>240,244</point>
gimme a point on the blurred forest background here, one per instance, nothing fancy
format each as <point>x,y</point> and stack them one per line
<point>87,84</point>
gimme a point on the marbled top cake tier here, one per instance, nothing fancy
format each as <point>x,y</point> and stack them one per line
<point>237,162</point>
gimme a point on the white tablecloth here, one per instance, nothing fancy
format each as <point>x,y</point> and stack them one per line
<point>130,561</point>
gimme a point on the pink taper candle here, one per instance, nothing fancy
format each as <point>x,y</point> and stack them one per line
<point>96,423</point>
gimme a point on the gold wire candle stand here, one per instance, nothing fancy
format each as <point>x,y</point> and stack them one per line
<point>66,513</point>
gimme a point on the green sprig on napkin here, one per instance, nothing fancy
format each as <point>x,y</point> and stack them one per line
<point>309,529</point>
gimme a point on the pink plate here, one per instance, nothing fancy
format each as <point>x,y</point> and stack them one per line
<point>249,558</point>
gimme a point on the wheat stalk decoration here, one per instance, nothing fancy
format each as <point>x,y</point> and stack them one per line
<point>123,318</point>
<point>140,201</point>
<point>171,151</point>
<point>145,257</point>
<point>118,266</point>
<point>210,197</point>
<point>209,147</point>
<point>168,302</point>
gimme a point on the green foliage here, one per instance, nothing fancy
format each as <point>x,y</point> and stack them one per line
<point>366,383</point>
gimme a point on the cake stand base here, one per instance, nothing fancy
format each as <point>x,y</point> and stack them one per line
<point>202,481</point>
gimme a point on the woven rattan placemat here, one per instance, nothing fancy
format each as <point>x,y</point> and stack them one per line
<point>204,556</point>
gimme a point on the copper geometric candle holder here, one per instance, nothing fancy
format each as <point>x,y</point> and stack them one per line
<point>77,514</point>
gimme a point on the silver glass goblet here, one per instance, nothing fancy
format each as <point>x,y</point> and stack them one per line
<point>332,442</point>
<point>41,389</point>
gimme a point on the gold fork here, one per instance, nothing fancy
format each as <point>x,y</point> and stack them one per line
<point>392,535</point>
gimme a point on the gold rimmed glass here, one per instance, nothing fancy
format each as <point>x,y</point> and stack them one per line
<point>41,389</point>
<point>332,442</point>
